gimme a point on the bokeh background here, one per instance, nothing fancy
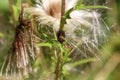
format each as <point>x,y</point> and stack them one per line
<point>108,69</point>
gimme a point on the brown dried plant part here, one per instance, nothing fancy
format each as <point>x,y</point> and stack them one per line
<point>61,36</point>
<point>22,50</point>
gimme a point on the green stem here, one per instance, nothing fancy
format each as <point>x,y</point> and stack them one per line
<point>62,22</point>
<point>58,67</point>
<point>62,15</point>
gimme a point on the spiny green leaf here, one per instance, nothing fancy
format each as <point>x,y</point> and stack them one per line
<point>79,4</point>
<point>64,71</point>
<point>68,13</point>
<point>83,61</point>
<point>45,35</point>
<point>91,7</point>
<point>33,1</point>
<point>66,59</point>
<point>45,44</point>
<point>54,59</point>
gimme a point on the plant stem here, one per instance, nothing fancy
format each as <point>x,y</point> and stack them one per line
<point>62,22</point>
<point>62,15</point>
<point>12,12</point>
<point>61,33</point>
<point>58,67</point>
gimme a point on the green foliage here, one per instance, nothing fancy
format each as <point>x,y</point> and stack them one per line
<point>33,1</point>
<point>83,61</point>
<point>91,7</point>
<point>46,66</point>
<point>80,6</point>
<point>46,44</point>
<point>4,6</point>
<point>16,9</point>
<point>1,35</point>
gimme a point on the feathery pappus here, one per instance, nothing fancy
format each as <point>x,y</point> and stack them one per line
<point>84,26</point>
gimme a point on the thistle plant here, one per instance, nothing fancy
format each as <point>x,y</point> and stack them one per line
<point>68,31</point>
<point>84,28</point>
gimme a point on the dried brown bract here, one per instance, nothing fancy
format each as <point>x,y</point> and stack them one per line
<point>22,50</point>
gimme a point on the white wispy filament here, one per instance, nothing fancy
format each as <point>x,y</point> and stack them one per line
<point>84,26</point>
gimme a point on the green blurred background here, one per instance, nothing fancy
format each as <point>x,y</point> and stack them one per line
<point>108,70</point>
